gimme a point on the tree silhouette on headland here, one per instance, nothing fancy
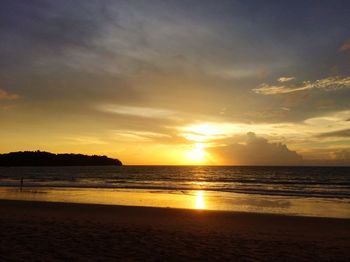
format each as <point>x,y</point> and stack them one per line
<point>39,158</point>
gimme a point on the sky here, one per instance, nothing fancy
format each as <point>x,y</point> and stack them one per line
<point>178,82</point>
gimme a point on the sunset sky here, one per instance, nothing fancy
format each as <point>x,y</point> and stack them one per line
<point>178,82</point>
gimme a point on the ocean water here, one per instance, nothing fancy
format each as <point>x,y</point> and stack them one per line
<point>305,191</point>
<point>322,182</point>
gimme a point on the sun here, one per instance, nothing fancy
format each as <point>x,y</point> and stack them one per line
<point>197,154</point>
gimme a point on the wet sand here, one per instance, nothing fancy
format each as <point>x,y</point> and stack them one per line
<point>43,231</point>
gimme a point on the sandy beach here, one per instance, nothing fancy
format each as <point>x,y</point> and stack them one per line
<point>44,231</point>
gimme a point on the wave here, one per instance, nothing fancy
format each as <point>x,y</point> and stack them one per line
<point>337,193</point>
<point>320,182</point>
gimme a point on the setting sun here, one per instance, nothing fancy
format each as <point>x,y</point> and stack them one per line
<point>197,154</point>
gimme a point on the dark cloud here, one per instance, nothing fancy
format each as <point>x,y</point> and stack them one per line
<point>337,157</point>
<point>342,155</point>
<point>256,151</point>
<point>309,100</point>
<point>32,31</point>
<point>4,95</point>
<point>345,46</point>
<point>338,133</point>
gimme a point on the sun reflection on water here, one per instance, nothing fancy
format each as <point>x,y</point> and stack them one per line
<point>200,201</point>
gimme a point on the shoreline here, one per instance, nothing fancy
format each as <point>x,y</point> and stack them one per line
<point>34,230</point>
<point>36,203</point>
<point>191,199</point>
<point>30,185</point>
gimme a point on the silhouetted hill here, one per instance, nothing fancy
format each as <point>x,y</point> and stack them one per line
<point>39,158</point>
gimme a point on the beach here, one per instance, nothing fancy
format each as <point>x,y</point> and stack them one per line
<point>48,231</point>
<point>170,130</point>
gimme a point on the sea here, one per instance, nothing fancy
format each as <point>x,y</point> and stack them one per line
<point>319,191</point>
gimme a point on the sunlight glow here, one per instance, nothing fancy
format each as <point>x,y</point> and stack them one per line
<point>200,201</point>
<point>201,133</point>
<point>197,154</point>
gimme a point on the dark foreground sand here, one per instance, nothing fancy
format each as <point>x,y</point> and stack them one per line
<point>38,231</point>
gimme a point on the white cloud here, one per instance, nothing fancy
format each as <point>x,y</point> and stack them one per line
<point>146,112</point>
<point>285,79</point>
<point>84,140</point>
<point>132,135</point>
<point>329,84</point>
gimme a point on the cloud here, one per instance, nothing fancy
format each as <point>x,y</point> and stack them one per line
<point>256,151</point>
<point>4,95</point>
<point>285,79</point>
<point>342,155</point>
<point>47,29</point>
<point>345,46</point>
<point>146,112</point>
<point>329,84</point>
<point>141,136</point>
<point>338,133</point>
